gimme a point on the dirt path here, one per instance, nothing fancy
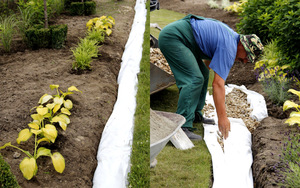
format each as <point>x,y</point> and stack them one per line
<point>26,75</point>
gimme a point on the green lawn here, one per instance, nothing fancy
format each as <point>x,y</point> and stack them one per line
<point>178,168</point>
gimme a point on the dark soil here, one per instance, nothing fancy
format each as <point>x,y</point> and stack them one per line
<point>266,138</point>
<point>25,75</point>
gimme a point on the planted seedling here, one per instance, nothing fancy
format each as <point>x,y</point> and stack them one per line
<point>103,23</point>
<point>52,110</point>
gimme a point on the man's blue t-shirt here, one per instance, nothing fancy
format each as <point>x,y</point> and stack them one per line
<point>217,41</point>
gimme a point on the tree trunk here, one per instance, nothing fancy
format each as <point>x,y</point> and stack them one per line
<point>45,14</point>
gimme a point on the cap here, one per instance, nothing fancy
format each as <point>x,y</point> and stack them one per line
<point>252,45</point>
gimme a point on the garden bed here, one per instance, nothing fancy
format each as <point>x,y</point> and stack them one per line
<point>26,75</point>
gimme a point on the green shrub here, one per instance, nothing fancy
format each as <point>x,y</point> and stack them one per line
<point>57,6</point>
<point>277,19</point>
<point>77,8</point>
<point>58,35</point>
<point>89,7</point>
<point>95,34</point>
<point>7,179</point>
<point>38,37</point>
<point>26,20</point>
<point>85,51</point>
<point>7,30</point>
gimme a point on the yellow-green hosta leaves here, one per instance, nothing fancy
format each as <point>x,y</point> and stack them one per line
<point>42,110</point>
<point>37,117</point>
<point>45,98</point>
<point>34,125</point>
<point>58,162</point>
<point>51,110</point>
<point>289,104</point>
<point>28,167</point>
<point>54,87</point>
<point>73,88</point>
<point>43,139</point>
<point>295,92</point>
<point>103,23</point>
<point>24,135</point>
<point>43,152</point>
<point>50,132</point>
<point>295,115</point>
<point>293,120</point>
<point>68,104</point>
<point>65,111</point>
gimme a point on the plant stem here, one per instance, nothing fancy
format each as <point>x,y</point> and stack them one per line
<point>35,145</point>
<point>26,152</point>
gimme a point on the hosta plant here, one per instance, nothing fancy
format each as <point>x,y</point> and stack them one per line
<point>103,23</point>
<point>295,115</point>
<point>51,111</point>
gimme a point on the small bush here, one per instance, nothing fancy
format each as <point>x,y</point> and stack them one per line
<point>7,179</point>
<point>58,35</point>
<point>277,19</point>
<point>98,35</point>
<point>85,51</point>
<point>26,20</point>
<point>38,37</point>
<point>7,30</point>
<point>77,8</point>
<point>89,7</point>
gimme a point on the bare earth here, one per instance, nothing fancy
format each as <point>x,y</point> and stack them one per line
<point>25,75</point>
<point>268,137</point>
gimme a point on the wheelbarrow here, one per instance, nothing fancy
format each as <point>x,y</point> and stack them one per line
<point>174,133</point>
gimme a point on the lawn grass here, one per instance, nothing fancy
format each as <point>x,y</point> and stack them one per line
<point>139,175</point>
<point>178,168</point>
<point>163,17</point>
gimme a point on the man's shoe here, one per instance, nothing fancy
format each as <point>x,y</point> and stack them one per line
<point>200,119</point>
<point>191,135</point>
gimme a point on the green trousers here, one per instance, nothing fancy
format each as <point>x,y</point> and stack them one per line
<point>177,43</point>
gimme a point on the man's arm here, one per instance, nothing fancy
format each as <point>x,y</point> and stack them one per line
<point>219,99</point>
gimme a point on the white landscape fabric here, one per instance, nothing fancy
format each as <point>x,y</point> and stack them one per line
<point>115,146</point>
<point>232,168</point>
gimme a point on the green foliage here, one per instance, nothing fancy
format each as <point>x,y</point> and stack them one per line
<point>98,35</point>
<point>89,8</point>
<point>52,110</point>
<point>52,37</point>
<point>8,27</point>
<point>236,7</point>
<point>77,8</point>
<point>277,19</point>
<point>37,8</point>
<point>289,172</point>
<point>85,51</point>
<point>274,77</point>
<point>57,6</point>
<point>25,20</point>
<point>7,179</point>
<point>38,37</point>
<point>58,35</point>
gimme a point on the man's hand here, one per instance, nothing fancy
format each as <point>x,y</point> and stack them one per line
<point>224,126</point>
<point>219,99</point>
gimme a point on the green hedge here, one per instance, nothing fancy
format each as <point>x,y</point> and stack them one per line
<point>58,35</point>
<point>89,8</point>
<point>274,20</point>
<point>77,8</point>
<point>85,8</point>
<point>7,179</point>
<point>52,37</point>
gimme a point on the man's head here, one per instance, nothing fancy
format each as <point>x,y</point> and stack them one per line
<point>252,46</point>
